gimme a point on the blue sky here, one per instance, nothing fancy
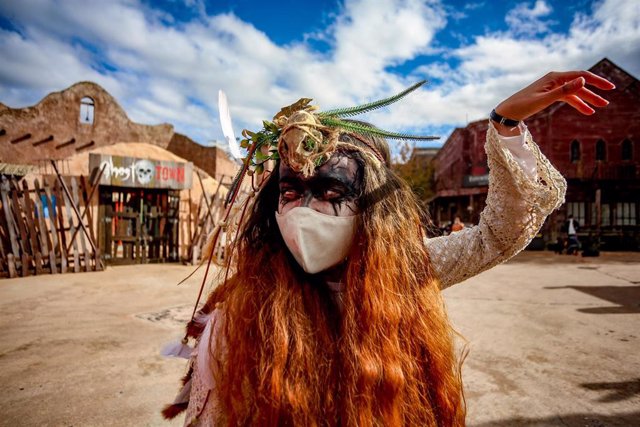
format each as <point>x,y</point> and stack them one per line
<point>164,61</point>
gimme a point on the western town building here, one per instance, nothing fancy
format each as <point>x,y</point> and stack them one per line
<point>141,185</point>
<point>599,156</point>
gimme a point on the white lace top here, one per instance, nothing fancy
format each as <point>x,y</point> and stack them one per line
<point>524,188</point>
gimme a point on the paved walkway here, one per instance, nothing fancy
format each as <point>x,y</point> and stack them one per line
<point>553,341</point>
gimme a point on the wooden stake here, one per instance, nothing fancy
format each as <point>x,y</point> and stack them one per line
<point>75,208</point>
<point>87,202</point>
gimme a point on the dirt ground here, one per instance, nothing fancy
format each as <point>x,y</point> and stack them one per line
<point>553,341</point>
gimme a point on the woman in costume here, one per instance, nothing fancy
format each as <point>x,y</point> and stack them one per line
<point>332,312</point>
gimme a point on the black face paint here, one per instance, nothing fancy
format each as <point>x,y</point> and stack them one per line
<point>334,188</point>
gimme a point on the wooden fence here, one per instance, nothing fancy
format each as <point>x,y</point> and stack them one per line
<point>201,222</point>
<point>41,232</point>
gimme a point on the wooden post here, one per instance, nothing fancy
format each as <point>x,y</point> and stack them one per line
<point>29,214</point>
<point>109,231</point>
<point>163,224</point>
<point>15,248</point>
<point>24,240</point>
<point>57,234</point>
<point>11,264</point>
<point>87,204</point>
<point>3,255</point>
<point>83,243</point>
<point>196,232</point>
<point>189,219</point>
<point>204,192</point>
<point>23,243</point>
<point>76,255</point>
<point>47,248</point>
<point>60,215</point>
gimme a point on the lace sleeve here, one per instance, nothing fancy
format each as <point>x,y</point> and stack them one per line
<point>516,208</point>
<point>204,408</point>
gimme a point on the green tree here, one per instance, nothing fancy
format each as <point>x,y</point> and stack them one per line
<point>417,170</point>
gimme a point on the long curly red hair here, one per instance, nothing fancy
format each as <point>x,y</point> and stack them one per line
<point>295,355</point>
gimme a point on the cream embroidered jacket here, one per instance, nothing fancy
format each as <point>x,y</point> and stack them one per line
<point>524,188</point>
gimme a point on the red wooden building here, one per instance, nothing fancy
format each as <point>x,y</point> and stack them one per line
<point>599,156</point>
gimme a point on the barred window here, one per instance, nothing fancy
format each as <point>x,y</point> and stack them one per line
<point>86,110</point>
<point>601,150</point>
<point>625,213</point>
<point>575,150</point>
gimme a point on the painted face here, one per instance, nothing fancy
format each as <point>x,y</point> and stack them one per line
<point>332,190</point>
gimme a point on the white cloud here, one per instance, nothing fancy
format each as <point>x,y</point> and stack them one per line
<point>527,21</point>
<point>497,64</point>
<point>373,35</point>
<point>41,64</point>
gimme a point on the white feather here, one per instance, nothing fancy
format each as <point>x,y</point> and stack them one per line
<point>177,349</point>
<point>185,392</point>
<point>227,126</point>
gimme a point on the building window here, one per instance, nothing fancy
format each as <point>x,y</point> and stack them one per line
<point>601,150</point>
<point>577,209</point>
<point>625,213</point>
<point>86,110</point>
<point>575,150</point>
<point>627,149</point>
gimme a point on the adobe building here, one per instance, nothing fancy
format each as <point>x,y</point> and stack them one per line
<point>150,177</point>
<point>598,155</point>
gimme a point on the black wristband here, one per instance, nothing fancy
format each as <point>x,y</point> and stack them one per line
<point>503,120</point>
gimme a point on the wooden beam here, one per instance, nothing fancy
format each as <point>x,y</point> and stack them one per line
<point>21,138</point>
<point>64,144</point>
<point>43,141</point>
<point>87,145</point>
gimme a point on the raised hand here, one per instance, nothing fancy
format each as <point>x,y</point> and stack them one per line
<point>569,87</point>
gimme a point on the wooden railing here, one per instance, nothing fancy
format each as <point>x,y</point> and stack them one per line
<point>40,228</point>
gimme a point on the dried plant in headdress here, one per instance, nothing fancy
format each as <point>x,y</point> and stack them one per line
<point>305,138</point>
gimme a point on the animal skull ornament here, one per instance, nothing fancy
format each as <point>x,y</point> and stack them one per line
<point>144,171</point>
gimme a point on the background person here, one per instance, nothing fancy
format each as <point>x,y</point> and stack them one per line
<point>571,227</point>
<point>457,224</point>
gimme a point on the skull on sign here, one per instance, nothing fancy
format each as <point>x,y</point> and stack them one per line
<point>144,171</point>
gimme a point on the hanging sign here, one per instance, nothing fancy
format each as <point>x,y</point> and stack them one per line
<point>475,180</point>
<point>141,173</point>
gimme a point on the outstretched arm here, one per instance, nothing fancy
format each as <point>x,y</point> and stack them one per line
<point>524,188</point>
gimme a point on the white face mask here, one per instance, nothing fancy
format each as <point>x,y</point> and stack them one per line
<point>316,240</point>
